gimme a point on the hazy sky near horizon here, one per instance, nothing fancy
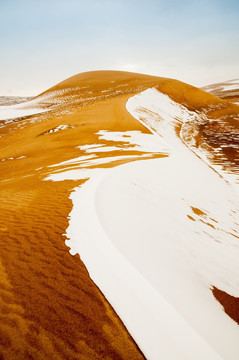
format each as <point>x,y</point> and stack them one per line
<point>45,41</point>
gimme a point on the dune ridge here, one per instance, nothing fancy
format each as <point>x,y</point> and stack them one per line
<point>50,306</point>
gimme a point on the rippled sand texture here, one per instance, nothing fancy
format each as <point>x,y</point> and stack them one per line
<point>50,308</point>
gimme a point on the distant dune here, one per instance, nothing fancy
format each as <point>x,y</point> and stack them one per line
<point>228,90</point>
<point>119,220</point>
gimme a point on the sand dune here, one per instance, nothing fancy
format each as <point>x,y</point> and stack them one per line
<point>167,211</point>
<point>228,90</point>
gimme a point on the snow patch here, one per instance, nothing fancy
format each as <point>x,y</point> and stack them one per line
<point>12,158</point>
<point>59,127</point>
<point>19,110</point>
<point>76,160</point>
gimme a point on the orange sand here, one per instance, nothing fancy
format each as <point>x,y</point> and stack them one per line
<point>50,308</point>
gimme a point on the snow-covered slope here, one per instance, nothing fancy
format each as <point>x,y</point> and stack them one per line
<point>157,235</point>
<point>229,85</point>
<point>27,108</point>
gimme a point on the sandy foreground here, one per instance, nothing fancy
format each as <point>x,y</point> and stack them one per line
<point>158,234</point>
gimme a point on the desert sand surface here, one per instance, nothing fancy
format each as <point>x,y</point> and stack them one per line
<point>119,221</point>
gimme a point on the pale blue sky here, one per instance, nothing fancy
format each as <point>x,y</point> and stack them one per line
<point>46,41</point>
